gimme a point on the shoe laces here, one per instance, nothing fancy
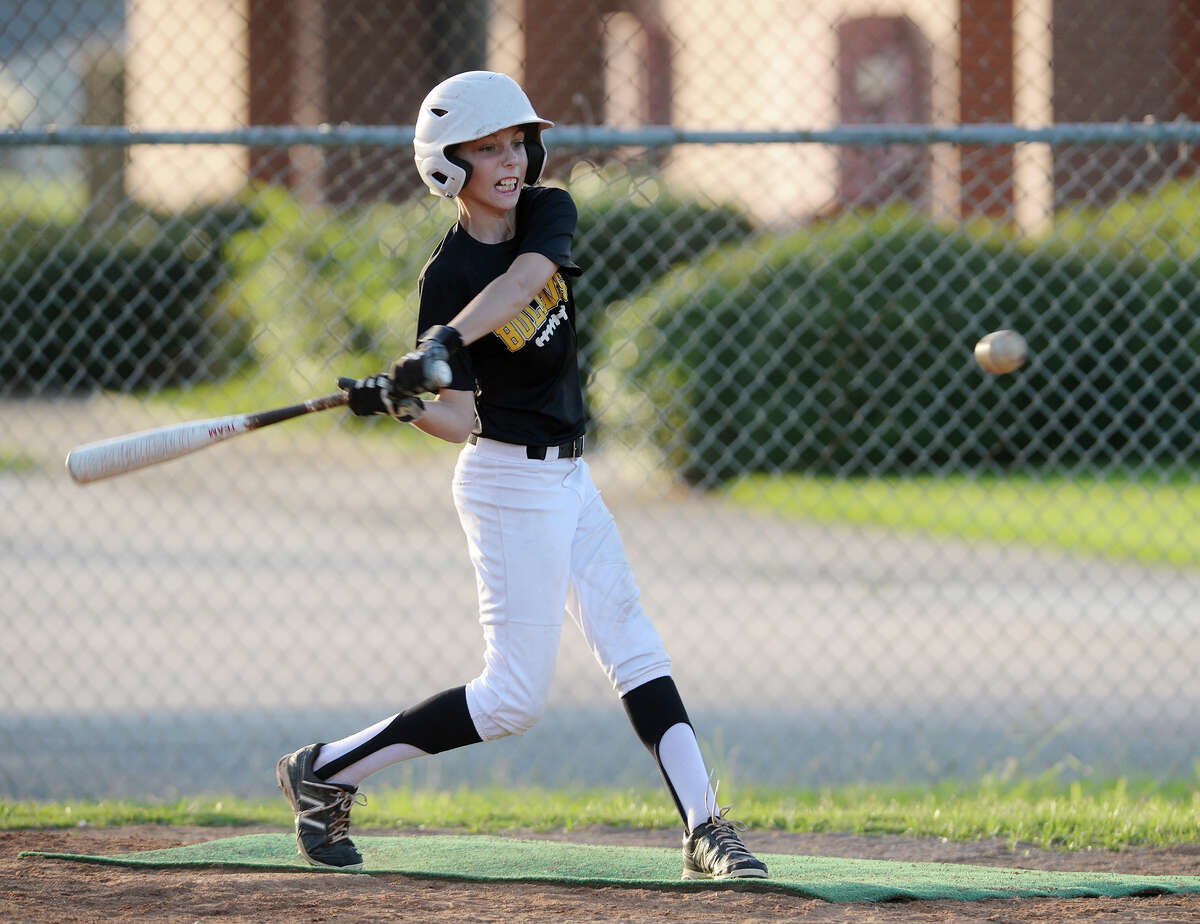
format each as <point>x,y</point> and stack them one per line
<point>333,814</point>
<point>725,830</point>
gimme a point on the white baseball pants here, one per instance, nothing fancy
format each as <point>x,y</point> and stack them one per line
<point>543,542</point>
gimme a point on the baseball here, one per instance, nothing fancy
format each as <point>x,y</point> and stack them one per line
<point>439,373</point>
<point>1001,351</point>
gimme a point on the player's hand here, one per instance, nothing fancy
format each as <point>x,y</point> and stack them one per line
<point>376,395</point>
<point>408,409</point>
<point>426,368</point>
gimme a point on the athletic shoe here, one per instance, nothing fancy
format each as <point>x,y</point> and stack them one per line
<point>714,850</point>
<point>322,811</point>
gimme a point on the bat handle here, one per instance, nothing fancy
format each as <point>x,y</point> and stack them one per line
<point>345,383</point>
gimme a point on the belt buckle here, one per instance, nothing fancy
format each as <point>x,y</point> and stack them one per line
<point>571,450</point>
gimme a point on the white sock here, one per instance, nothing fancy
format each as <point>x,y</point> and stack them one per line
<point>679,755</point>
<point>374,762</point>
<point>354,774</point>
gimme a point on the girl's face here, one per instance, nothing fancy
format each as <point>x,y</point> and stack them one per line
<point>498,163</point>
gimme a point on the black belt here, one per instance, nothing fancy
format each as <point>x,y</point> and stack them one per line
<point>571,450</point>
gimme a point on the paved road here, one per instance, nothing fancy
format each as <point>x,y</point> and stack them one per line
<point>296,584</point>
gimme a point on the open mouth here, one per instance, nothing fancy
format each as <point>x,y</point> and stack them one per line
<point>508,184</point>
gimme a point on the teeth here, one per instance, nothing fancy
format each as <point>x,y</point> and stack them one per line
<point>507,184</point>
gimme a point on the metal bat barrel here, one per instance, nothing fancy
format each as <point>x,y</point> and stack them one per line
<point>134,451</point>
<point>128,453</point>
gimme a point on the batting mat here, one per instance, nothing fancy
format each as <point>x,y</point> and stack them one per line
<point>500,859</point>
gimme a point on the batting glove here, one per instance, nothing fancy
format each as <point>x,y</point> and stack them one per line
<point>376,395</point>
<point>427,368</point>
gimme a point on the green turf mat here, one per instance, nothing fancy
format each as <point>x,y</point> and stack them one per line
<point>496,859</point>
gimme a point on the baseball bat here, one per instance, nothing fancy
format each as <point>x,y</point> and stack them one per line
<point>134,451</point>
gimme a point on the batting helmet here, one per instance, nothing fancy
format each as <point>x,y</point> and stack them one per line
<point>469,106</point>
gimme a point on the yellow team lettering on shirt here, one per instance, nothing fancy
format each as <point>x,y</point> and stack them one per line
<point>550,304</point>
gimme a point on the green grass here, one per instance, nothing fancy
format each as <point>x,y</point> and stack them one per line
<point>1043,812</point>
<point>1148,520</point>
<point>1075,816</point>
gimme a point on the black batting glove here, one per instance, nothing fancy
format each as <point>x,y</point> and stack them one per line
<point>427,367</point>
<point>408,409</point>
<point>375,395</point>
<point>366,395</point>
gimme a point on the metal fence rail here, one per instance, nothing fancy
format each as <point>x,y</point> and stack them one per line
<point>653,136</point>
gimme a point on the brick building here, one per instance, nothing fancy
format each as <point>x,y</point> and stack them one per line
<point>751,64</point>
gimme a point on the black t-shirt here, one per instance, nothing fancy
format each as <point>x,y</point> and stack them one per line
<point>525,374</point>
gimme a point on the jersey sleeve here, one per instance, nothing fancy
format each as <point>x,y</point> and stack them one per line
<point>439,303</point>
<point>550,223</point>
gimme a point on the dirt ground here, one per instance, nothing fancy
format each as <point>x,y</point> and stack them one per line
<point>38,889</point>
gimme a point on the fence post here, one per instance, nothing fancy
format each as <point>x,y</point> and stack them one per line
<point>104,104</point>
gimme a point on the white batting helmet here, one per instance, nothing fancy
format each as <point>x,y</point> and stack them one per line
<point>469,106</point>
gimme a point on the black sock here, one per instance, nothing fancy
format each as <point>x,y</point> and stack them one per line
<point>653,708</point>
<point>438,724</point>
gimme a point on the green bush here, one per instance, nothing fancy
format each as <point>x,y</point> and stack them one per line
<point>626,241</point>
<point>329,292</point>
<point>1163,222</point>
<point>301,292</point>
<point>85,310</point>
<point>631,233</point>
<point>847,348</point>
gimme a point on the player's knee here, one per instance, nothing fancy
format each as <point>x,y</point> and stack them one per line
<point>519,713</point>
<point>499,711</point>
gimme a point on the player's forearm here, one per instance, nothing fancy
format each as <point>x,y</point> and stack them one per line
<point>494,307</point>
<point>450,417</point>
<point>504,297</point>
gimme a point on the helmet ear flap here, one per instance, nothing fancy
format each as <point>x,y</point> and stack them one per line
<point>444,176</point>
<point>463,165</point>
<point>535,150</point>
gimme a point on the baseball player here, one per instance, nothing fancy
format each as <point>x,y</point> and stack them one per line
<point>496,302</point>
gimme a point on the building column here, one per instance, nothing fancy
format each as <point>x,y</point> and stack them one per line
<point>986,96</point>
<point>564,60</point>
<point>1185,61</point>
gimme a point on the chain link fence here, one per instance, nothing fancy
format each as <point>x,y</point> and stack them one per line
<point>868,559</point>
